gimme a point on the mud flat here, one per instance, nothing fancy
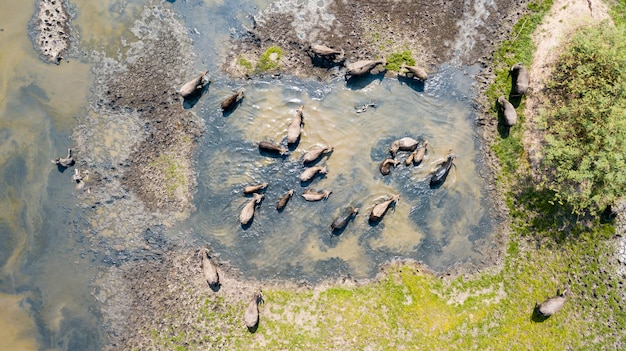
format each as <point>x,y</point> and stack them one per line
<point>51,36</point>
<point>433,31</point>
<point>137,142</point>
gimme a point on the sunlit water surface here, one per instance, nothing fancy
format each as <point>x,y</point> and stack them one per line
<point>47,266</point>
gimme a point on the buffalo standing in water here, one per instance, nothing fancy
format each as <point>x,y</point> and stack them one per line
<point>251,316</point>
<point>510,116</point>
<point>295,128</point>
<point>254,188</point>
<point>380,209</point>
<point>64,161</point>
<point>417,156</point>
<point>342,220</point>
<point>403,144</point>
<point>312,195</point>
<point>208,269</point>
<point>309,173</point>
<point>385,166</point>
<point>441,173</point>
<point>315,152</point>
<point>521,79</point>
<point>284,200</point>
<point>231,102</point>
<point>248,211</point>
<point>552,305</point>
<point>272,148</point>
<point>194,86</point>
<point>416,71</point>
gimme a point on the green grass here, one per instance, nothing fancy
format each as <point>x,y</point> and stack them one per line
<point>270,60</point>
<point>396,59</point>
<point>245,63</point>
<point>518,49</point>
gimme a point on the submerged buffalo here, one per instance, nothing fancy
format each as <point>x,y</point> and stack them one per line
<point>440,175</point>
<point>270,147</point>
<point>521,79</point>
<point>64,161</point>
<point>380,209</point>
<point>385,166</point>
<point>342,220</point>
<point>284,200</point>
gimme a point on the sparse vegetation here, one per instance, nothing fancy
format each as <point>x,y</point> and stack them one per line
<point>270,59</point>
<point>518,49</point>
<point>172,172</point>
<point>244,63</point>
<point>396,59</point>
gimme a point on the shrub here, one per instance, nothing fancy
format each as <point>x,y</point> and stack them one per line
<point>586,123</point>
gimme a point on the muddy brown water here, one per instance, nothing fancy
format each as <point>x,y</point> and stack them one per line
<point>47,264</point>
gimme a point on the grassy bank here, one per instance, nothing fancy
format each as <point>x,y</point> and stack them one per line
<point>411,309</point>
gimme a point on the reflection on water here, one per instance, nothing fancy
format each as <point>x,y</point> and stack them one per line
<point>432,225</point>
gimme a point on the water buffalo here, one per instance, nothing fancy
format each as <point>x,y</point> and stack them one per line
<point>510,116</point>
<point>194,86</point>
<point>440,175</point>
<point>553,304</point>
<point>312,195</point>
<point>380,209</point>
<point>521,79</point>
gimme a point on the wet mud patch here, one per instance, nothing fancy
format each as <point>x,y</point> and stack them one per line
<point>137,141</point>
<point>434,32</point>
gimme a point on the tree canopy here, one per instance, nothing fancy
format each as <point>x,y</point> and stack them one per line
<point>585,150</point>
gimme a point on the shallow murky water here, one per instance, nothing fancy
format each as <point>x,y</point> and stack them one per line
<point>45,272</point>
<point>47,265</point>
<point>438,226</point>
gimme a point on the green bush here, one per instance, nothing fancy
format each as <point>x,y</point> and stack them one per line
<point>585,154</point>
